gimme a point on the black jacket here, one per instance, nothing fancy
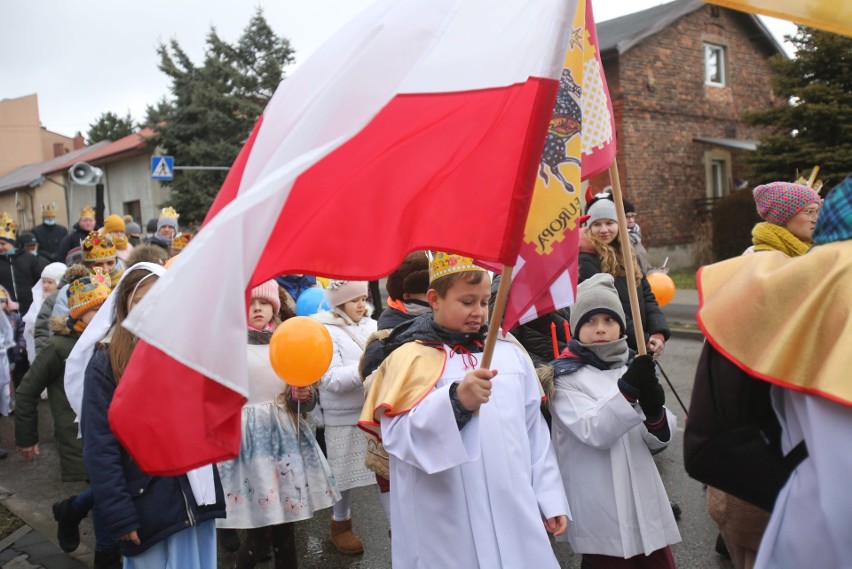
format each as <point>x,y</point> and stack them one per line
<point>70,241</point>
<point>18,273</point>
<point>535,336</point>
<point>653,319</point>
<point>49,238</point>
<point>127,499</point>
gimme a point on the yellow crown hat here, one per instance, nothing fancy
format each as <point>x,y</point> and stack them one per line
<point>181,240</point>
<point>442,264</point>
<point>87,212</point>
<point>48,210</point>
<point>8,227</point>
<point>88,293</point>
<point>97,247</point>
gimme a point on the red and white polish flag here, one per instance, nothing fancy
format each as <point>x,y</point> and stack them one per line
<point>419,125</point>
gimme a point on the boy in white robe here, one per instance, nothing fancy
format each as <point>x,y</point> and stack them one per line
<point>474,478</point>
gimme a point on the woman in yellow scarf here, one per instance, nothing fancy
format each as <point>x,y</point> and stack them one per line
<point>789,212</point>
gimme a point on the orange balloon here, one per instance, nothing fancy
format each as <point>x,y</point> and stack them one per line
<point>300,351</point>
<point>662,286</point>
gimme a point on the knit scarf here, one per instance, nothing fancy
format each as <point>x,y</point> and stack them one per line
<point>770,237</point>
<point>610,355</point>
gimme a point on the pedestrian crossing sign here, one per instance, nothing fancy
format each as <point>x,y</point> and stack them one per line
<point>162,168</point>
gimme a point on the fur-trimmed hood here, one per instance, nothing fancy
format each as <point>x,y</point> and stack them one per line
<point>59,325</point>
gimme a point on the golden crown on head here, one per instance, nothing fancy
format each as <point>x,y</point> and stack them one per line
<point>87,211</point>
<point>48,210</point>
<point>811,182</point>
<point>181,241</point>
<point>169,212</point>
<point>97,247</point>
<point>8,227</point>
<point>88,292</point>
<point>442,264</point>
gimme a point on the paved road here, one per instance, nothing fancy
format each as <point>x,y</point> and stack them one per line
<point>38,485</point>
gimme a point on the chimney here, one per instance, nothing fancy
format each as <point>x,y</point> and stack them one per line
<point>78,141</point>
<point>58,149</point>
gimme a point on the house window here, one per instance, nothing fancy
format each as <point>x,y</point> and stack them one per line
<point>714,65</point>
<point>717,167</point>
<point>718,178</point>
<point>134,209</point>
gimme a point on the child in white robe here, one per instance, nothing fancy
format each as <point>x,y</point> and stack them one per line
<point>608,419</point>
<point>475,479</point>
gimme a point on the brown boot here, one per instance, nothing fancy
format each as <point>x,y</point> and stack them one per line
<point>344,539</point>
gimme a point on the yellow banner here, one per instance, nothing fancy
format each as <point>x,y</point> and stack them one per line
<point>555,203</point>
<point>830,15</point>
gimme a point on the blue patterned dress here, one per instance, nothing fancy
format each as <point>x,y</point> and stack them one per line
<point>277,478</point>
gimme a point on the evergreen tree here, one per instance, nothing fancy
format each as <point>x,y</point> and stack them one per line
<point>815,128</point>
<point>110,126</point>
<point>213,107</point>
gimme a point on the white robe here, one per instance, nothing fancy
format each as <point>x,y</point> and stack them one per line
<point>811,523</point>
<point>475,497</point>
<point>604,450</point>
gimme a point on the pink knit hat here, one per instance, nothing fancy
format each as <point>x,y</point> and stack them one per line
<point>268,291</point>
<point>341,292</point>
<point>778,202</point>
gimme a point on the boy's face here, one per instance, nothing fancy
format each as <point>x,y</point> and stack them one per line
<point>465,306</point>
<point>600,328</point>
<point>48,286</point>
<point>167,231</point>
<point>107,265</point>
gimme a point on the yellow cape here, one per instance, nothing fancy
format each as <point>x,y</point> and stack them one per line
<point>393,393</point>
<point>785,320</point>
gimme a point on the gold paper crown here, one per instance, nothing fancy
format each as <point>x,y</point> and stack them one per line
<point>169,212</point>
<point>97,247</point>
<point>181,241</point>
<point>88,292</point>
<point>87,211</point>
<point>811,182</point>
<point>48,210</point>
<point>8,227</point>
<point>442,264</point>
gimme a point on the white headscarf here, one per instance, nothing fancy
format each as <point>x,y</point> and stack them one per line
<point>53,271</point>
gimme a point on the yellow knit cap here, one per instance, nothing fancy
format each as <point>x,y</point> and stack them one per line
<point>113,223</point>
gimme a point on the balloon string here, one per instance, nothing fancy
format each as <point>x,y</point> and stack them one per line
<point>298,423</point>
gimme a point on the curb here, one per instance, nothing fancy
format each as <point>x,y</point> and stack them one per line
<point>42,524</point>
<point>686,333</point>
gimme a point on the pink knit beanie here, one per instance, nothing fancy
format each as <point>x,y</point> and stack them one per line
<point>268,291</point>
<point>341,292</point>
<point>778,202</point>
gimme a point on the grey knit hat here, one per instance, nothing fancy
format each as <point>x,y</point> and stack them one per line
<point>602,209</point>
<point>596,295</point>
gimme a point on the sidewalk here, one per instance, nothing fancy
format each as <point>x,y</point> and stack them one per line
<point>680,313</point>
<point>29,547</point>
<point>28,489</point>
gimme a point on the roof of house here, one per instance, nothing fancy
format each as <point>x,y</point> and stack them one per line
<point>621,34</point>
<point>33,175</point>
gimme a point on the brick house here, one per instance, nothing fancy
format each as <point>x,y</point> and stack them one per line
<point>681,75</point>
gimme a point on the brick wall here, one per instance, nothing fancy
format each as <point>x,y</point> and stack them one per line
<point>661,103</point>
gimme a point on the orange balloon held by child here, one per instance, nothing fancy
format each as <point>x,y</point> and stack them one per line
<point>300,351</point>
<point>662,286</point>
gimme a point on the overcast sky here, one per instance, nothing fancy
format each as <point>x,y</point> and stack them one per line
<point>87,57</point>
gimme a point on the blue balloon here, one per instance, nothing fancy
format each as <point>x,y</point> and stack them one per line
<point>311,301</point>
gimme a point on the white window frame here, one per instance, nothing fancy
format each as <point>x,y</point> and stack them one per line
<point>709,50</point>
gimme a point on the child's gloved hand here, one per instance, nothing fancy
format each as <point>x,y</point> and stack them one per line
<point>651,400</point>
<point>641,374</point>
<point>475,388</point>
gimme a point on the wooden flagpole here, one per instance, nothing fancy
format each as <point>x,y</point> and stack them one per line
<point>627,258</point>
<point>497,316</point>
